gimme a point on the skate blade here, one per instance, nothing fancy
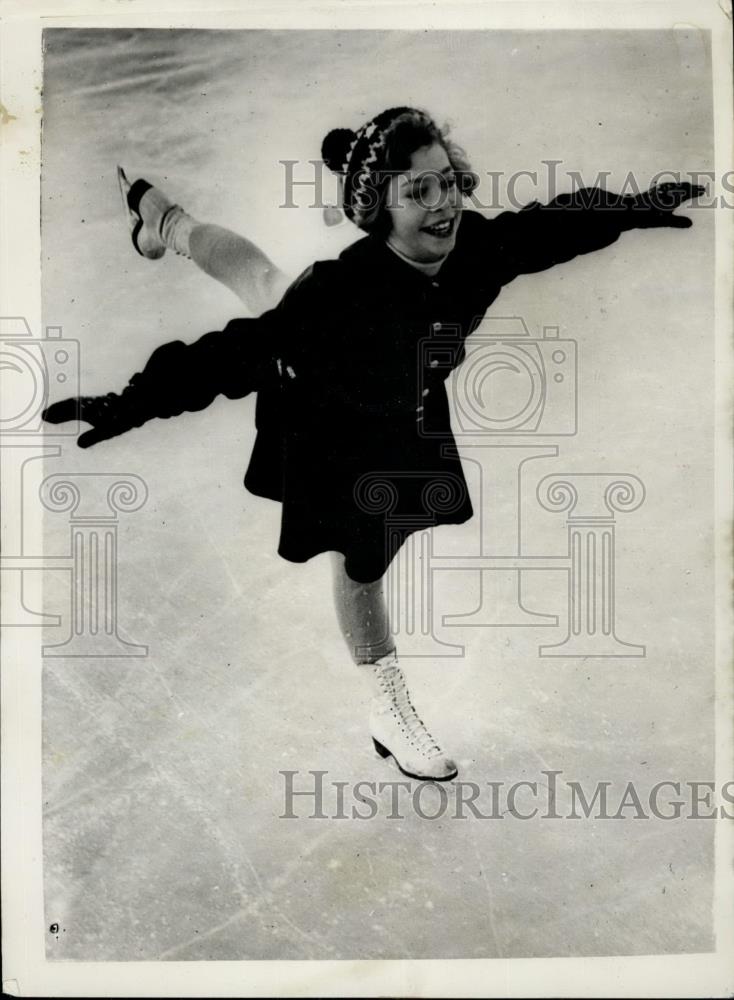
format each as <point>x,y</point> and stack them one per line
<point>124,184</point>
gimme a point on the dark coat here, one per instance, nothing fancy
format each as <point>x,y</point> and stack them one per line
<point>343,445</point>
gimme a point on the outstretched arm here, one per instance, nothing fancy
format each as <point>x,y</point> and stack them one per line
<point>540,236</point>
<point>179,377</point>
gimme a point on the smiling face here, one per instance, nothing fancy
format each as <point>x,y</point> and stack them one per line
<point>424,206</point>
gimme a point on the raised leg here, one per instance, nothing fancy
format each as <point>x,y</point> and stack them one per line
<point>158,224</point>
<point>239,264</point>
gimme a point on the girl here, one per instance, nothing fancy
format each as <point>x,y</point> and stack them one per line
<point>352,416</point>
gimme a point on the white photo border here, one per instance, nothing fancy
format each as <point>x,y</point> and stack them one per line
<point>26,970</point>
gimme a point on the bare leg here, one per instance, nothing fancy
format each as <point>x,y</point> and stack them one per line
<point>362,614</point>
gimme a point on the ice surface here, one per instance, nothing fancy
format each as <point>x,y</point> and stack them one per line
<point>162,789</point>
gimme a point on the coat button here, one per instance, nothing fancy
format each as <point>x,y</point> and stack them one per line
<point>436,327</point>
<point>435,284</point>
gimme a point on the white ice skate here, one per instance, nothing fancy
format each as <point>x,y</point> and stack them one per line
<point>397,730</point>
<point>145,207</point>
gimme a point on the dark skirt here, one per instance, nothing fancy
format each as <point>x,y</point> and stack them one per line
<point>355,482</point>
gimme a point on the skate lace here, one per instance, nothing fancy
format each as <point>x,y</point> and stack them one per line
<point>394,688</point>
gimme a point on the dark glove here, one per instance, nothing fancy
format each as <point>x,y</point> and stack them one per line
<point>177,377</point>
<point>654,208</point>
<point>109,415</point>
